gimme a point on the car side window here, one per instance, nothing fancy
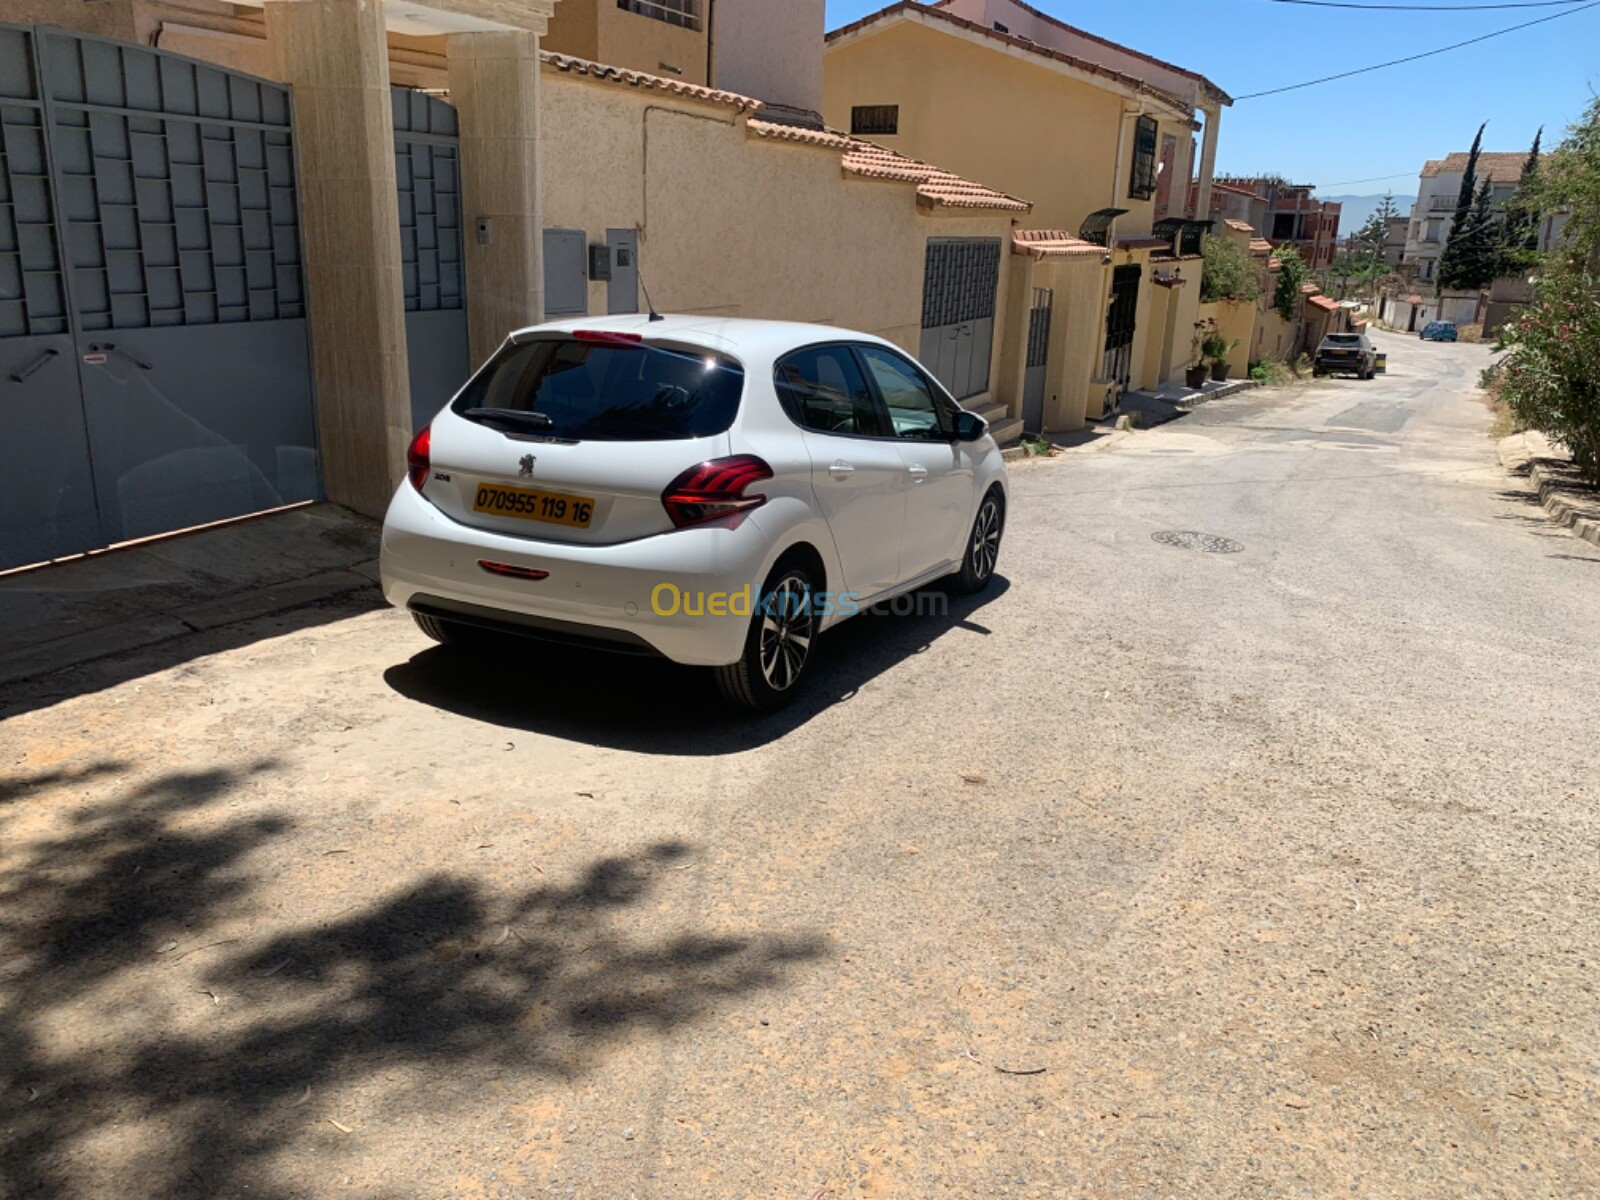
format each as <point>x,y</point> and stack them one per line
<point>822,388</point>
<point>915,411</point>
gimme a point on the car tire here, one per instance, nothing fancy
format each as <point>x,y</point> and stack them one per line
<point>778,645</point>
<point>983,546</point>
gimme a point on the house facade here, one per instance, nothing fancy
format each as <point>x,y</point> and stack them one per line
<point>1090,128</point>
<point>255,248</point>
<point>1284,213</point>
<point>1438,189</point>
<point>770,49</point>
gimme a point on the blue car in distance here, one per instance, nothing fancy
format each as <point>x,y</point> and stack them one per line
<point>1438,331</point>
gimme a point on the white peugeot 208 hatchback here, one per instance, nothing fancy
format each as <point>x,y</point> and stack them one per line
<point>714,491</point>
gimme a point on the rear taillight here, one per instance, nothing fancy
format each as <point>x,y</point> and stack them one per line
<point>417,457</point>
<point>714,489</point>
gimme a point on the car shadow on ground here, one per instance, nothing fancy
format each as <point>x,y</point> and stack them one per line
<point>652,706</point>
<point>152,897</point>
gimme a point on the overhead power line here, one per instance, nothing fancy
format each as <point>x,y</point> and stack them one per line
<point>1428,7</point>
<point>1368,179</point>
<point>1410,58</point>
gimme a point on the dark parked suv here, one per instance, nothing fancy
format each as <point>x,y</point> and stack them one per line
<point>1350,353</point>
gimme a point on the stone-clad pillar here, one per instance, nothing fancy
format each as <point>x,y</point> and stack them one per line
<point>335,57</point>
<point>1208,159</point>
<point>494,85</point>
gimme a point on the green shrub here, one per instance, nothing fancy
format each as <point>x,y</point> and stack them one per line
<point>1271,372</point>
<point>1229,272</point>
<point>1550,377</point>
<point>1291,274</point>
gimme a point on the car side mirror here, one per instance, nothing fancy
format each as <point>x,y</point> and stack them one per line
<point>970,427</point>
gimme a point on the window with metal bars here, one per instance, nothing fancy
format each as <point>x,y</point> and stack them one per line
<point>867,119</point>
<point>1143,184</point>
<point>684,13</point>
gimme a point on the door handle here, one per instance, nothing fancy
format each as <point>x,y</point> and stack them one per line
<point>841,469</point>
<point>918,472</point>
<point>22,375</point>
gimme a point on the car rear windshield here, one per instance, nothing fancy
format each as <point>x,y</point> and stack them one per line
<point>1343,339</point>
<point>577,390</point>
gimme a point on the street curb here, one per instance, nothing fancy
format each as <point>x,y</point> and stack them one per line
<point>1232,388</point>
<point>76,650</point>
<point>1581,517</point>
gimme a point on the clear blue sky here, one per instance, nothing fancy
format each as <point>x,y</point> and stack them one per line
<point>1378,124</point>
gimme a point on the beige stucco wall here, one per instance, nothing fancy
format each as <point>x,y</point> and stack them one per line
<point>770,49</point>
<point>735,224</point>
<point>1274,337</point>
<point>1007,118</point>
<point>630,39</point>
<point>1077,336</point>
<point>1236,321</point>
<point>575,29</point>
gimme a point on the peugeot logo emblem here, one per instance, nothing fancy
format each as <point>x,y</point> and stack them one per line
<point>526,465</point>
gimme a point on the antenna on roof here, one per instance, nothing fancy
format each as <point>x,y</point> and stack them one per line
<point>644,287</point>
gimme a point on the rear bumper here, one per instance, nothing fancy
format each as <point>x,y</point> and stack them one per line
<point>656,594</point>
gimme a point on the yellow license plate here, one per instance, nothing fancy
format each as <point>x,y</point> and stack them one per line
<point>554,508</point>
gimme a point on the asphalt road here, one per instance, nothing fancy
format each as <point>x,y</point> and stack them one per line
<point>1159,872</point>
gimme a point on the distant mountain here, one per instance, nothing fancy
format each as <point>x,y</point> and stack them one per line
<point>1358,210</point>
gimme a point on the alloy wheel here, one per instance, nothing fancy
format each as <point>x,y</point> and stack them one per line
<point>787,627</point>
<point>986,538</point>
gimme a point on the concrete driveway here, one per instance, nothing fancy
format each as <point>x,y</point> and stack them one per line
<point>1267,868</point>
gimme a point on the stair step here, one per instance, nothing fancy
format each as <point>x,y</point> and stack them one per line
<point>1005,431</point>
<point>989,412</point>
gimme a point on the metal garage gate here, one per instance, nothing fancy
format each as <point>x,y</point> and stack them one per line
<point>154,358</point>
<point>961,279</point>
<point>427,162</point>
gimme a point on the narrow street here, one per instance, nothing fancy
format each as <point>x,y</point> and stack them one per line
<point>1154,871</point>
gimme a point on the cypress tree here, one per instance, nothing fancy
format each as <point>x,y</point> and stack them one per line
<point>1450,260</point>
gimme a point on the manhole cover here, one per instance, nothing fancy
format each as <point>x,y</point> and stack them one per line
<point>1206,543</point>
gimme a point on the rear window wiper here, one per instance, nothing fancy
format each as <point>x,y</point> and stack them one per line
<point>517,418</point>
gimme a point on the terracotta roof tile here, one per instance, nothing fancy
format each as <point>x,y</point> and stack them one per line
<point>1310,289</point>
<point>1326,303</point>
<point>1053,243</point>
<point>1495,165</point>
<point>1260,246</point>
<point>915,10</point>
<point>1241,226</point>
<point>1221,185</point>
<point>934,184</point>
<point>607,74</point>
<point>830,138</point>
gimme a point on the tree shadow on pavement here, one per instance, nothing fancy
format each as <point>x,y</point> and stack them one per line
<point>652,706</point>
<point>105,1074</point>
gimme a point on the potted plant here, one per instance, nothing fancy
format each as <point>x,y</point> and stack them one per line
<point>1216,349</point>
<point>1194,375</point>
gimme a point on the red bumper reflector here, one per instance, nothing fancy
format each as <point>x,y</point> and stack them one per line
<point>508,570</point>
